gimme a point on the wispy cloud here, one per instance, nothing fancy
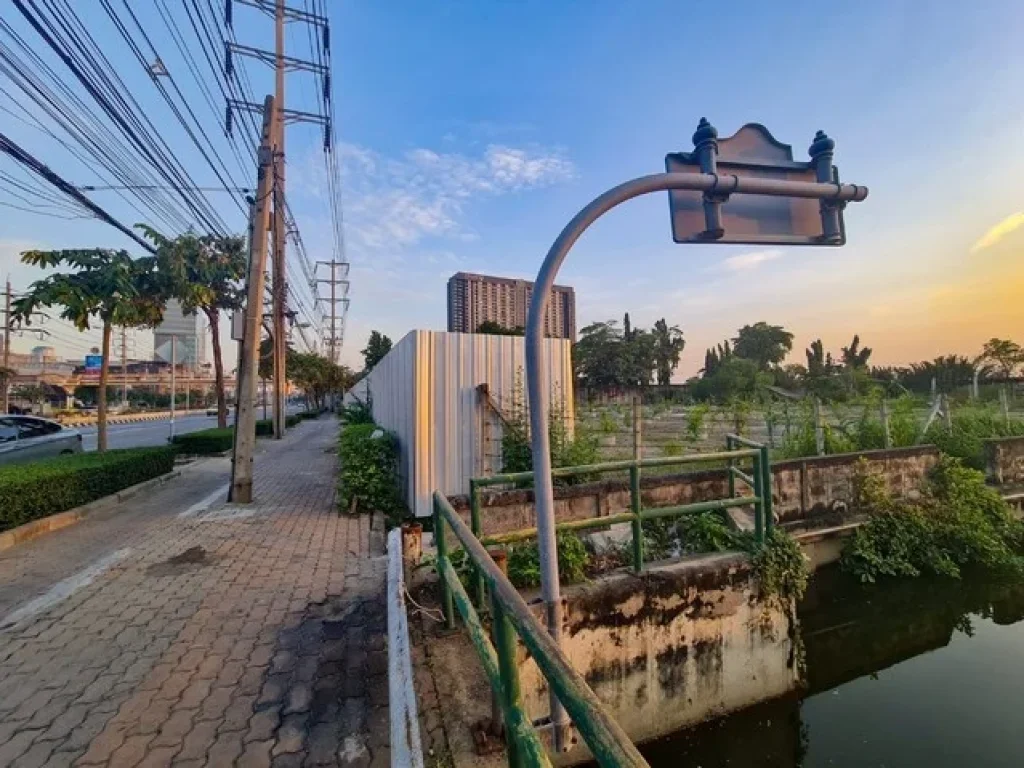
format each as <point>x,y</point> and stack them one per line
<point>999,231</point>
<point>744,262</point>
<point>394,202</point>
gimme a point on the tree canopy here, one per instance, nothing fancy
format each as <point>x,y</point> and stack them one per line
<point>376,348</point>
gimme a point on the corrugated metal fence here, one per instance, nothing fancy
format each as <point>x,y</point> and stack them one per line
<point>426,391</point>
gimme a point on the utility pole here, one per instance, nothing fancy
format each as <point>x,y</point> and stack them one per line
<point>174,363</point>
<point>124,366</point>
<point>7,350</point>
<point>245,409</point>
<point>335,338</point>
<point>282,64</point>
<point>280,285</point>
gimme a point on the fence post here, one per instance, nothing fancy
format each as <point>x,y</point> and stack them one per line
<point>442,554</point>
<point>767,505</point>
<point>475,525</point>
<point>638,526</point>
<point>947,414</point>
<point>886,434</point>
<point>1004,401</point>
<point>505,645</point>
<point>500,557</point>
<point>759,504</point>
<point>819,429</point>
<point>732,478</point>
<point>638,415</point>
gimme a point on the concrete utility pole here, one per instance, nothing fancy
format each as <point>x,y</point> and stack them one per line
<point>124,366</point>
<point>245,410</point>
<point>7,350</point>
<point>280,285</point>
<point>174,363</point>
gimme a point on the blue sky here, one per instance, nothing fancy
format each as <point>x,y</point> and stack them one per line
<point>472,131</point>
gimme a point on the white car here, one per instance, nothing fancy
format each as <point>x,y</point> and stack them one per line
<point>29,438</point>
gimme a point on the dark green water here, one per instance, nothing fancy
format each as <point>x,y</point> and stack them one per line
<point>909,673</point>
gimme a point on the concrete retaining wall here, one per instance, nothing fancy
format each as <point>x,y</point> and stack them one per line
<point>816,490</point>
<point>1004,460</point>
<point>679,644</point>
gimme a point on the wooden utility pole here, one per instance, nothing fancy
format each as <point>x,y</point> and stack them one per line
<point>7,350</point>
<point>245,412</point>
<point>279,280</point>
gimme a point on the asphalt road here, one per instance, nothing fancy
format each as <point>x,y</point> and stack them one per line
<point>145,433</point>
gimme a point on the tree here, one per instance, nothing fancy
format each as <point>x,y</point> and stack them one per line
<point>497,329</point>
<point>107,286</point>
<point>376,348</point>
<point>33,393</point>
<point>318,377</point>
<point>1006,355</point>
<point>668,346</point>
<point>765,344</point>
<point>854,357</point>
<point>204,273</point>
<point>714,358</point>
<point>819,362</point>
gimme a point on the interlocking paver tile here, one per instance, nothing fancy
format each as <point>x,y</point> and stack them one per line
<point>214,639</point>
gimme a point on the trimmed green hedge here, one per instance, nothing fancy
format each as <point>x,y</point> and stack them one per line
<point>368,456</point>
<point>38,489</point>
<point>206,441</point>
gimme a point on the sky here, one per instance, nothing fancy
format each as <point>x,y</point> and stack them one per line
<point>471,132</point>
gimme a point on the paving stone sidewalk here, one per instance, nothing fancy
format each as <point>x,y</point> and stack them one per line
<point>237,636</point>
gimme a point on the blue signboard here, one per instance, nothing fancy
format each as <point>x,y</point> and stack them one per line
<point>93,363</point>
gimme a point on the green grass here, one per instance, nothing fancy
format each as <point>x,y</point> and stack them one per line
<point>38,489</point>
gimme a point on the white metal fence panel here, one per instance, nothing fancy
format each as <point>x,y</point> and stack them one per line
<point>425,391</point>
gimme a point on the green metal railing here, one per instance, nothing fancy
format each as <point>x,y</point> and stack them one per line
<point>511,617</point>
<point>738,449</point>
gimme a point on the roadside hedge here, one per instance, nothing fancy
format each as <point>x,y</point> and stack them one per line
<point>38,489</point>
<point>368,456</point>
<point>206,441</point>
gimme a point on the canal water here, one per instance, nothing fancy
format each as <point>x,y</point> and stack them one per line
<point>906,673</point>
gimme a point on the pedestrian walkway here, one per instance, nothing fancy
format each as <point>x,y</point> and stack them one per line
<point>179,634</point>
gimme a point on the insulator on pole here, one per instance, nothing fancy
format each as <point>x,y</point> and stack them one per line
<point>227,119</point>
<point>227,12</point>
<point>327,37</point>
<point>229,67</point>
<point>327,86</point>
<point>327,135</point>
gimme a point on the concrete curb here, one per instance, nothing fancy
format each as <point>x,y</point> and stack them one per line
<point>37,528</point>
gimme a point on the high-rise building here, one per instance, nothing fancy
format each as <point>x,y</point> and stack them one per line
<point>475,299</point>
<point>188,334</point>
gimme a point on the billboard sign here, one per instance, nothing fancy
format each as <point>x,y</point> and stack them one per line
<point>93,363</point>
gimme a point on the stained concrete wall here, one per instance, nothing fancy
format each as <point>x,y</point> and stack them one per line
<point>1004,460</point>
<point>811,491</point>
<point>679,644</point>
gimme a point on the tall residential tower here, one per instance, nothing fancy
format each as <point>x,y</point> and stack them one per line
<point>475,299</point>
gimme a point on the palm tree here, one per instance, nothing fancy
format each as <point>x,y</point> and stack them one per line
<point>204,274</point>
<point>106,285</point>
<point>854,357</point>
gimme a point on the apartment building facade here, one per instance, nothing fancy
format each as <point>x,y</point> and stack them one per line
<point>474,299</point>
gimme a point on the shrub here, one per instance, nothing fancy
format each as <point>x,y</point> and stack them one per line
<point>31,491</point>
<point>964,439</point>
<point>524,561</point>
<point>357,413</point>
<point>265,428</point>
<point>960,522</point>
<point>368,456</point>
<point>205,442</point>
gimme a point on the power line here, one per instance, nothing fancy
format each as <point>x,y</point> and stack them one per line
<point>21,156</point>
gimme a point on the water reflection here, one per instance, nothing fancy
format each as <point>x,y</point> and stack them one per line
<point>907,673</point>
